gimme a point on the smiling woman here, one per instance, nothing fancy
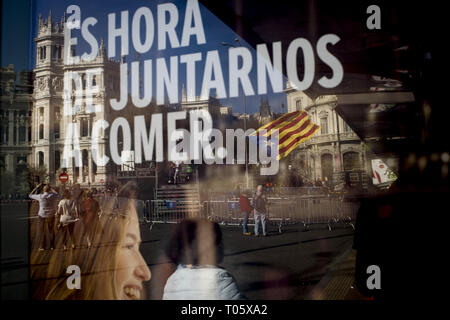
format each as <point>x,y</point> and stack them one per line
<point>113,267</point>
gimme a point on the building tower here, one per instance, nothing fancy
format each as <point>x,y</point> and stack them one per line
<point>50,124</point>
<point>48,102</point>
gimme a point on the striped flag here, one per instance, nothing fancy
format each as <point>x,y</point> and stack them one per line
<point>293,129</point>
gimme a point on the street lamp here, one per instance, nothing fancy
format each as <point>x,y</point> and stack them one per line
<point>245,113</point>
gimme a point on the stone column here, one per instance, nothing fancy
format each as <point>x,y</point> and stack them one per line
<point>11,128</point>
<point>333,122</point>
<point>318,163</point>
<point>91,174</point>
<point>17,134</point>
<point>335,161</point>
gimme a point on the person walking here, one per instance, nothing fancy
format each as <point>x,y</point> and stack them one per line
<point>176,172</point>
<point>260,210</point>
<point>246,209</point>
<point>66,220</point>
<point>46,214</point>
<point>89,213</point>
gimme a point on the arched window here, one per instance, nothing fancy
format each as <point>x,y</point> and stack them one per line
<point>327,165</point>
<point>40,158</point>
<point>351,161</point>
<point>57,129</point>
<point>41,131</point>
<point>85,157</point>
<point>324,125</point>
<point>84,127</point>
<point>43,52</point>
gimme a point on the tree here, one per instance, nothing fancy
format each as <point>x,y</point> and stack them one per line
<point>7,180</point>
<point>30,177</point>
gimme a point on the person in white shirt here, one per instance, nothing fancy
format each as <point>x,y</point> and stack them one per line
<point>196,248</point>
<point>66,218</point>
<point>46,214</point>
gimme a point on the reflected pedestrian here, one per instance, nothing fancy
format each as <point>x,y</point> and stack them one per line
<point>66,220</point>
<point>260,210</point>
<point>246,209</point>
<point>46,214</point>
<point>197,249</point>
<point>89,214</point>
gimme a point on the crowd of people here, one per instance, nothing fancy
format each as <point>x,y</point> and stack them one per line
<point>257,205</point>
<point>60,211</point>
<point>100,233</point>
<point>104,233</point>
<point>106,248</point>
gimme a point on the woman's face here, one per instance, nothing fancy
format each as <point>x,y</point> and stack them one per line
<point>131,267</point>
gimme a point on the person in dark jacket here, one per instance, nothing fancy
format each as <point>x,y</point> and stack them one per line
<point>89,209</point>
<point>260,210</point>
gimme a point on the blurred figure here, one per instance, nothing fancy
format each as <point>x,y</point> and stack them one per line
<point>66,220</point>
<point>76,199</point>
<point>246,209</point>
<point>89,215</point>
<point>176,173</point>
<point>113,268</point>
<point>196,248</point>
<point>46,214</point>
<point>260,210</point>
<point>189,172</point>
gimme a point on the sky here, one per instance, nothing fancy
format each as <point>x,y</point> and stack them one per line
<point>15,34</point>
<point>216,32</point>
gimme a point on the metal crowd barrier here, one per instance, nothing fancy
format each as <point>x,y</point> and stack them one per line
<point>171,211</point>
<point>283,211</point>
<point>223,211</point>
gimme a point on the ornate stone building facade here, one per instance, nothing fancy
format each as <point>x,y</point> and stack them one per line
<point>49,123</point>
<point>15,120</point>
<point>335,148</point>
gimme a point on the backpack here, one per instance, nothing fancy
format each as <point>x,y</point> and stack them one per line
<point>260,204</point>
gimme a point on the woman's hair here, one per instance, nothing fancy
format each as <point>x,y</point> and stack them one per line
<point>196,242</point>
<point>98,263</point>
<point>66,194</point>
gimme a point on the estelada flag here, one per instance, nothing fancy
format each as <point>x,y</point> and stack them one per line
<point>293,129</point>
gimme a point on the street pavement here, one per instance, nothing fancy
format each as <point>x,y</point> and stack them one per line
<point>287,265</point>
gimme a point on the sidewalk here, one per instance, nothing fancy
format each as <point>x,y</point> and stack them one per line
<point>338,284</point>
